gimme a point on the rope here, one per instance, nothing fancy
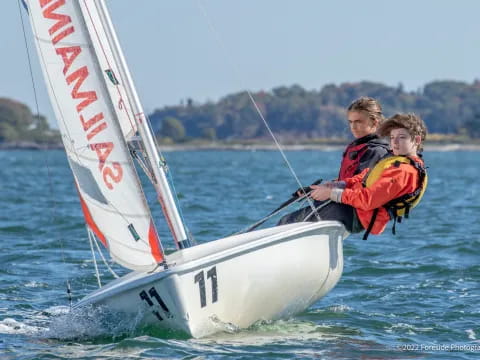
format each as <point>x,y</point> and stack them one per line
<point>317,208</point>
<point>45,158</point>
<point>90,235</point>
<point>239,79</point>
<point>104,260</point>
<point>171,183</point>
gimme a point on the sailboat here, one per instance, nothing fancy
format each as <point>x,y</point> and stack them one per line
<point>238,280</point>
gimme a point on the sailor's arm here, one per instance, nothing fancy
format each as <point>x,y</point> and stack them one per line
<point>391,185</point>
<point>349,182</point>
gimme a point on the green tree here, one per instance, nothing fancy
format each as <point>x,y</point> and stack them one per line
<point>17,123</point>
<point>7,132</point>
<point>173,128</point>
<point>209,133</point>
<point>472,127</point>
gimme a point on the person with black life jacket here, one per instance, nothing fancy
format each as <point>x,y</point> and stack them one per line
<point>387,191</point>
<point>364,117</point>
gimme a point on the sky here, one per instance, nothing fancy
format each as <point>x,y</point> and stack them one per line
<point>206,49</point>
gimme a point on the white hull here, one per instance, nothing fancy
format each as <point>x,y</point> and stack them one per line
<point>262,275</point>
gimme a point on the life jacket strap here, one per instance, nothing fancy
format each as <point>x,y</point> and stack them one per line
<point>396,219</point>
<point>370,226</point>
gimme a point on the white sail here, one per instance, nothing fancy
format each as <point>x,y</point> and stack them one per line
<point>94,118</point>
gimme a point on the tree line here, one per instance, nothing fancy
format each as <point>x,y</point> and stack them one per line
<point>447,107</point>
<point>293,113</point>
<point>19,124</point>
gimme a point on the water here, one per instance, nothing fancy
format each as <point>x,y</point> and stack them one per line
<point>413,295</point>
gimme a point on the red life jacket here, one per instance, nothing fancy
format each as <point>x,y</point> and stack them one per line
<point>350,161</point>
<point>354,152</point>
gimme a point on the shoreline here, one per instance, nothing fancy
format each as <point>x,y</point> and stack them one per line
<point>26,145</point>
<point>246,147</point>
<point>302,147</point>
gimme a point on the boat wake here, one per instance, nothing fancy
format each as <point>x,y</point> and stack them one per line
<point>12,326</point>
<point>87,323</point>
<point>269,332</point>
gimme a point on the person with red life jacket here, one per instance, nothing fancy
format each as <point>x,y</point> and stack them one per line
<point>364,117</point>
<point>387,191</point>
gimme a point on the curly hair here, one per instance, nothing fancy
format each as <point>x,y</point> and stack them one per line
<point>369,106</point>
<point>411,122</point>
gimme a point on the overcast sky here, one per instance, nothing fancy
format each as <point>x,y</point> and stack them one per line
<point>173,53</point>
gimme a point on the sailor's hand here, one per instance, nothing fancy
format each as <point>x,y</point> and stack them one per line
<point>305,191</point>
<point>320,192</point>
<point>302,191</point>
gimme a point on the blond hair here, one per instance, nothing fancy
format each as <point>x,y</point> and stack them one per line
<point>368,106</point>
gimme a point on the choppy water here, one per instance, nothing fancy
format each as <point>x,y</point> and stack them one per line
<point>415,295</point>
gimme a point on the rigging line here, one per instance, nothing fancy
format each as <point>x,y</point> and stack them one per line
<point>97,274</point>
<point>49,175</point>
<point>239,78</point>
<point>103,258</point>
<point>154,180</point>
<point>169,176</point>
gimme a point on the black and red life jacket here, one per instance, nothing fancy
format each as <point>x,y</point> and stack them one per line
<point>356,150</point>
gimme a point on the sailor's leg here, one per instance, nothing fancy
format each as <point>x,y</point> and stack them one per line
<point>303,214</point>
<point>296,216</point>
<point>343,213</point>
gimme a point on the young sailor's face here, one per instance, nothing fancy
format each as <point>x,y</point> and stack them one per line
<point>360,124</point>
<point>402,142</point>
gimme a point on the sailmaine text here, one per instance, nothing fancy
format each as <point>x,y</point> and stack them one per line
<point>75,74</point>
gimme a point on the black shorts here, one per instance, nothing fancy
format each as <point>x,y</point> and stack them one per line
<point>331,211</point>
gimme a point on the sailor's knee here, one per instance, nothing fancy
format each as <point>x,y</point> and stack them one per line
<point>283,220</point>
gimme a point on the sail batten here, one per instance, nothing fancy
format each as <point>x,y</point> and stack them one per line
<point>93,119</point>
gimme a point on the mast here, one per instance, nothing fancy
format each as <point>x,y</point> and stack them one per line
<point>159,178</point>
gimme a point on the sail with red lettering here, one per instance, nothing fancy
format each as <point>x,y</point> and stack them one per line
<point>96,120</point>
